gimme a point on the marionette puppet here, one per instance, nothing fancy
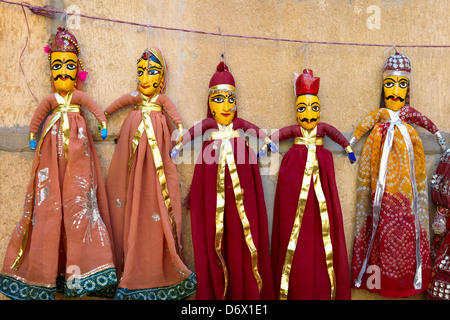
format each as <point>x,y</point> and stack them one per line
<point>309,254</point>
<point>228,213</point>
<point>144,193</point>
<point>64,231</point>
<point>439,286</point>
<point>391,250</point>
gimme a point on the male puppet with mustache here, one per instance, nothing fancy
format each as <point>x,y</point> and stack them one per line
<point>309,255</point>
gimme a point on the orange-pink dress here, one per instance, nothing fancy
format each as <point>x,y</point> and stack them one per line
<point>63,235</point>
<point>144,200</point>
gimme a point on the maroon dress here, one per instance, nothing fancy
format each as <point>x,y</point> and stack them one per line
<point>309,278</point>
<point>237,259</point>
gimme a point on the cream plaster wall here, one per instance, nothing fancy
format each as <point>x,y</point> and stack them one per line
<point>350,75</point>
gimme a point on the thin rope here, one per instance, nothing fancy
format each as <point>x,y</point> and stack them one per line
<point>45,11</point>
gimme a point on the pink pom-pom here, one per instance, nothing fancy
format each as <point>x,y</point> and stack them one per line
<point>82,75</point>
<point>47,49</point>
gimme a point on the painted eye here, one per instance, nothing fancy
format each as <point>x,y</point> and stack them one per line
<point>71,66</point>
<point>140,73</point>
<point>388,84</point>
<point>231,99</point>
<point>301,109</point>
<point>57,66</point>
<point>153,72</point>
<point>315,108</point>
<point>403,85</point>
<point>218,100</point>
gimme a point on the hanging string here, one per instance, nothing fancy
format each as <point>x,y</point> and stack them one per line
<point>21,54</point>
<point>44,11</point>
<point>224,50</point>
<point>307,49</point>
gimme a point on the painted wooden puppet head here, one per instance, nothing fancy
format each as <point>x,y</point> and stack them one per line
<point>307,104</point>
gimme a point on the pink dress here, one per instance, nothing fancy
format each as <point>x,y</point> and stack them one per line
<point>144,199</point>
<point>63,235</point>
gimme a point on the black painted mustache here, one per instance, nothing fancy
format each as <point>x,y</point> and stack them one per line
<point>308,120</point>
<point>61,76</point>
<point>393,98</point>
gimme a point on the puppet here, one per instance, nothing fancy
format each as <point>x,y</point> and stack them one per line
<point>144,193</point>
<point>439,286</point>
<point>63,235</point>
<point>228,213</point>
<point>391,249</point>
<point>309,255</point>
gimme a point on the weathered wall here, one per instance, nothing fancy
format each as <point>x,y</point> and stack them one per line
<point>350,75</point>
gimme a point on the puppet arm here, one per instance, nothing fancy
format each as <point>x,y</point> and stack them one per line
<point>335,135</point>
<point>172,111</point>
<point>411,115</point>
<point>254,130</point>
<point>81,98</point>
<point>367,124</point>
<point>39,115</point>
<point>197,130</point>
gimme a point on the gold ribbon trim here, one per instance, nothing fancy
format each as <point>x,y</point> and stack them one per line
<point>311,174</point>
<point>308,141</point>
<point>59,113</point>
<point>226,157</point>
<point>146,126</point>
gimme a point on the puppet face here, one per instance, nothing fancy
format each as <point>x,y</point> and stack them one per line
<point>395,89</point>
<point>308,110</point>
<point>64,70</point>
<point>150,76</point>
<point>222,106</point>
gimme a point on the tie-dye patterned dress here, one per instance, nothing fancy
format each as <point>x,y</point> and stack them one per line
<point>391,250</point>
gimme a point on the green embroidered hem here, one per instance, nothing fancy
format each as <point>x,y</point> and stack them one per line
<point>177,291</point>
<point>98,282</point>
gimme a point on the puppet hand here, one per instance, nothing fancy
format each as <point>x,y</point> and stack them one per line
<point>33,144</point>
<point>174,153</point>
<point>439,221</point>
<point>261,153</point>
<point>104,133</point>
<point>352,157</point>
<point>273,147</point>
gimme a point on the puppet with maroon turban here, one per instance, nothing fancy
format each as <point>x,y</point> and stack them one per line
<point>63,236</point>
<point>309,254</point>
<point>228,214</point>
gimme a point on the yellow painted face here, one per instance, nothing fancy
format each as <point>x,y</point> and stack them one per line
<point>64,70</point>
<point>150,76</point>
<point>222,106</point>
<point>395,89</point>
<point>308,110</point>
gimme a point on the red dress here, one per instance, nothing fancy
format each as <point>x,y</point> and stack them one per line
<point>309,278</point>
<point>439,286</point>
<point>240,281</point>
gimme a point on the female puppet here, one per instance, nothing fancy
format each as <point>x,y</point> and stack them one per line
<point>228,213</point>
<point>439,287</point>
<point>144,192</point>
<point>391,249</point>
<point>309,255</point>
<point>64,230</point>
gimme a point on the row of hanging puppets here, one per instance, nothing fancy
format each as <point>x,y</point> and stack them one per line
<point>122,238</point>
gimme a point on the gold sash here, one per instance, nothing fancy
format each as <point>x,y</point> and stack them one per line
<point>226,157</point>
<point>311,172</point>
<point>59,113</point>
<point>146,106</point>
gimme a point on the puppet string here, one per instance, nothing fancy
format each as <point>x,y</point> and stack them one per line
<point>45,11</point>
<point>21,54</point>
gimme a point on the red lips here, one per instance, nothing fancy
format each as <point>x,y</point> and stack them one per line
<point>225,114</point>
